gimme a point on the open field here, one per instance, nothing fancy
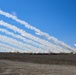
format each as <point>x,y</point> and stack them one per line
<point>24,68</point>
<point>63,59</point>
<point>29,64</point>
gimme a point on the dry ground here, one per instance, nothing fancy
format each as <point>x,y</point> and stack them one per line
<point>22,68</point>
<point>63,59</point>
<point>31,64</point>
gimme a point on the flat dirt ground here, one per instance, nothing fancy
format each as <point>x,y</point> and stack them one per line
<point>8,67</point>
<point>37,64</point>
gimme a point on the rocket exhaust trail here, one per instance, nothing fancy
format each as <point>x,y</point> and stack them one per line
<point>37,31</point>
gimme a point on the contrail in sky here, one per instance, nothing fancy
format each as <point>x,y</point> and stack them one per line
<point>37,31</point>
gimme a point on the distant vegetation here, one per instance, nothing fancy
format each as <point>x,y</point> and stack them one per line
<point>41,58</point>
<point>40,53</point>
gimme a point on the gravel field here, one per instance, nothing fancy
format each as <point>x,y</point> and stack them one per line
<point>23,68</point>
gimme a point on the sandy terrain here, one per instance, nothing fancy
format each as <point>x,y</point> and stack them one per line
<point>23,68</point>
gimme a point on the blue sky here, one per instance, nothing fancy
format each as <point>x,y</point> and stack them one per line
<point>56,17</point>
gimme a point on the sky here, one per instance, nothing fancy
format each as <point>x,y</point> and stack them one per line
<point>55,17</point>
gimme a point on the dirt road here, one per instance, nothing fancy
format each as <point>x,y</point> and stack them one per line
<point>23,68</point>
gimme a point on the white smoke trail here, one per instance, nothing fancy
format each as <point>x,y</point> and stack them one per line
<point>4,48</point>
<point>74,44</point>
<point>8,48</point>
<point>50,46</point>
<point>22,38</point>
<point>37,31</point>
<point>18,44</point>
<point>11,41</point>
<point>23,33</point>
<point>12,49</point>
